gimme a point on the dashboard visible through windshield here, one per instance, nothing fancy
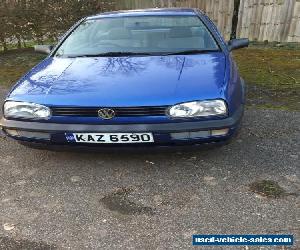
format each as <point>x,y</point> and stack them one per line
<point>141,35</point>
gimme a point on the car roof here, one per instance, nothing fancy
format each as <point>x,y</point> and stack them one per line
<point>147,12</point>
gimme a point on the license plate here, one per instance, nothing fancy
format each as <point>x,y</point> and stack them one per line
<point>110,137</point>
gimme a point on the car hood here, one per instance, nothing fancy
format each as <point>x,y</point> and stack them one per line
<point>123,81</point>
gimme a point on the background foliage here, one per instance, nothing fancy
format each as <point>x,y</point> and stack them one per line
<point>32,20</point>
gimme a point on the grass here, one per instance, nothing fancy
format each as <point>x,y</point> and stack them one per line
<point>267,188</point>
<point>272,73</point>
<point>15,63</point>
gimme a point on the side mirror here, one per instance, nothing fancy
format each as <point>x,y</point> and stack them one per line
<point>43,49</point>
<point>238,43</point>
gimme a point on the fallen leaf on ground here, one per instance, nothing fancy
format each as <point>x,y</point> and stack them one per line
<point>8,226</point>
<point>150,162</point>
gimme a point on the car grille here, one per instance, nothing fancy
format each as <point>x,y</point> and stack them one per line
<point>120,112</point>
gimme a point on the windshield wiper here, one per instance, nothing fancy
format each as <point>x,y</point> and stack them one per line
<point>120,54</point>
<point>112,54</point>
<point>191,52</point>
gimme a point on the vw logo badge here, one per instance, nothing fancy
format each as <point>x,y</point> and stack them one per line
<point>106,113</point>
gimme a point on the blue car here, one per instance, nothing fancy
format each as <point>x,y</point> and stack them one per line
<point>154,77</point>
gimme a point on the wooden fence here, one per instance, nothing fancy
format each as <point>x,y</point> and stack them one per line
<point>259,20</point>
<point>272,20</point>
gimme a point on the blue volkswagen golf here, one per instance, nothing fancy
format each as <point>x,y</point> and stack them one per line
<point>156,77</point>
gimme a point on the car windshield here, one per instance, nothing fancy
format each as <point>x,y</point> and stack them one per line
<point>138,35</point>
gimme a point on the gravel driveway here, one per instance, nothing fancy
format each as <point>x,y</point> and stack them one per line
<point>152,200</point>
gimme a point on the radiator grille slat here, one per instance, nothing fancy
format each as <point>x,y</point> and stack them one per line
<point>119,111</point>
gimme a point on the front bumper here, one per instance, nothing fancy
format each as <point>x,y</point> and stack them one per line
<point>162,132</point>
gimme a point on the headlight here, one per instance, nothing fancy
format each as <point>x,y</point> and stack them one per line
<point>25,110</point>
<point>198,109</point>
